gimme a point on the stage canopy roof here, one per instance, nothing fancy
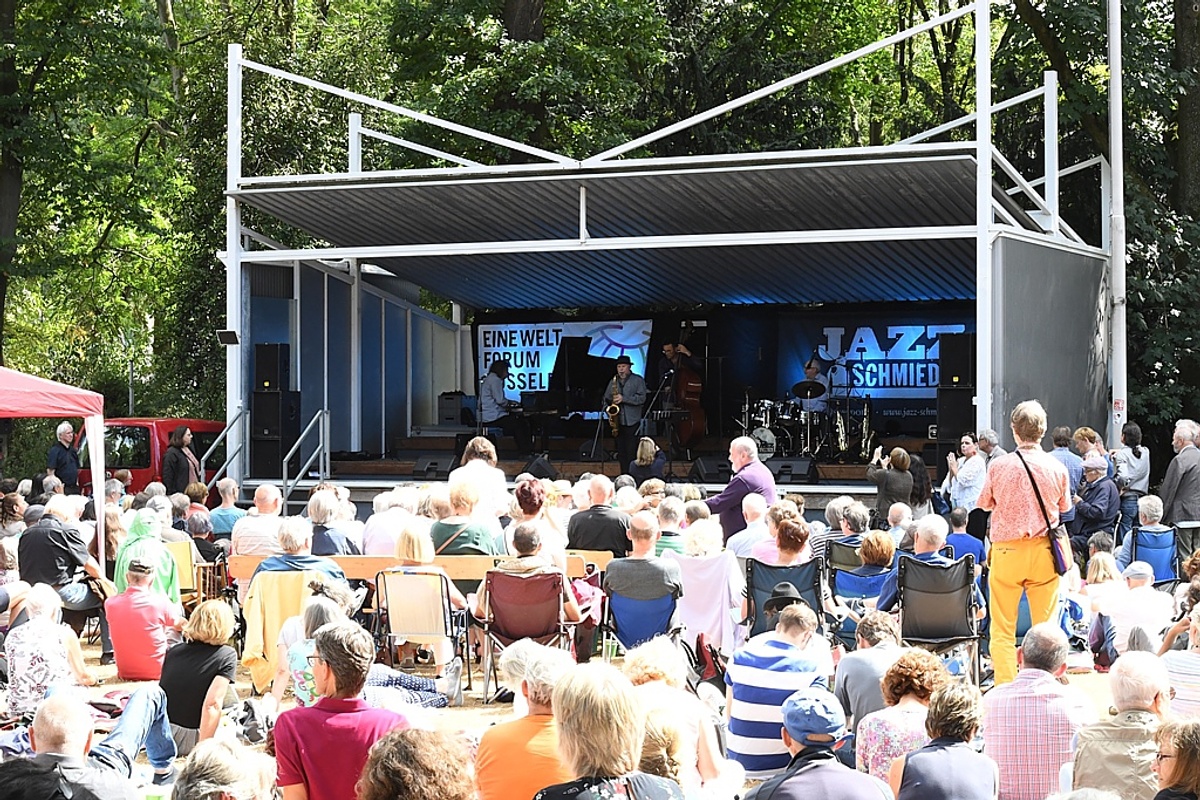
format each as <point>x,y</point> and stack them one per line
<point>811,228</point>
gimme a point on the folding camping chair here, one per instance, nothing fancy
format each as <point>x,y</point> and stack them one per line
<point>937,606</point>
<point>414,606</point>
<point>521,607</point>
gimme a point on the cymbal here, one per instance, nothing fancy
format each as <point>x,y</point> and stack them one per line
<point>807,390</point>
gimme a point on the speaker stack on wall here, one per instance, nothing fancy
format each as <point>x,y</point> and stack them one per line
<point>955,394</point>
<point>274,412</point>
<point>710,470</point>
<point>797,469</point>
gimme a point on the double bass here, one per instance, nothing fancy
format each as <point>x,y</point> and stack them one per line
<point>687,385</point>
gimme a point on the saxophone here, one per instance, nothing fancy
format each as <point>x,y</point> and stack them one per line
<point>614,412</point>
<point>868,435</point>
<point>839,424</point>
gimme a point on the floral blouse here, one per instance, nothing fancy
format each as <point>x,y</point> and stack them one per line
<point>37,660</point>
<point>887,734</point>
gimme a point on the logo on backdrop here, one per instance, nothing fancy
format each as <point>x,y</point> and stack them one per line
<point>893,361</point>
<point>532,347</point>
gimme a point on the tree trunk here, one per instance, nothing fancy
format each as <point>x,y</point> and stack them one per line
<point>12,114</point>
<point>1186,191</point>
<point>166,17</point>
<point>523,19</point>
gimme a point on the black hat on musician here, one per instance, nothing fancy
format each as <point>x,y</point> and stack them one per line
<point>624,360</point>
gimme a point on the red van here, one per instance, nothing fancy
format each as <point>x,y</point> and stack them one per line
<point>138,445</point>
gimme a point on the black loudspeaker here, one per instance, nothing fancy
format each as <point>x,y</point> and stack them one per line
<point>955,413</point>
<point>710,470</point>
<point>540,467</point>
<point>798,469</point>
<point>272,367</point>
<point>434,468</point>
<point>275,415</point>
<point>266,458</point>
<point>956,360</point>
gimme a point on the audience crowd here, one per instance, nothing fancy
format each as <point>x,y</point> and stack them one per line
<point>826,701</point>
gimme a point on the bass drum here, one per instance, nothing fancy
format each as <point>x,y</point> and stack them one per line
<point>772,441</point>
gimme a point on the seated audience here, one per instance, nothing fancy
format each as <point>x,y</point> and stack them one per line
<point>643,575</point>
<point>42,653</point>
<point>899,520</point>
<point>416,764</point>
<point>760,676</point>
<point>199,527</point>
<point>145,544</point>
<point>598,526</point>
<point>877,553</point>
<point>63,736</point>
<point>324,510</point>
<point>1118,753</point>
<point>653,490</point>
<point>694,510</point>
<point>320,751</point>
<point>1035,701</point>
<point>788,542</point>
<point>948,768</point>
<point>900,727</point>
<point>649,463</point>
<point>659,676</point>
<point>226,515</point>
<point>415,551</point>
<point>813,724</point>
<point>1150,512</point>
<point>461,533</point>
<point>198,673</point>
<point>1133,619</point>
<point>1177,762</point>
<point>601,729</point>
<point>140,622</point>
<point>858,680</point>
<point>754,511</point>
<point>930,538</point>
<point>517,758</point>
<point>527,542</point>
<point>1183,670</point>
<point>391,512</point>
<point>225,770</point>
<point>295,539</point>
<point>855,522</point>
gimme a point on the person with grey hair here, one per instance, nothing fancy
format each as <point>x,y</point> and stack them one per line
<point>52,485</point>
<point>1117,753</point>
<point>750,476</point>
<point>295,539</point>
<point>324,510</point>
<point>1038,699</point>
<point>53,552</point>
<point>1180,490</point>
<point>1152,532</point>
<point>199,527</point>
<point>599,527</point>
<point>754,511</point>
<point>856,521</point>
<point>989,446</point>
<point>156,489</point>
<point>931,535</point>
<point>219,769</point>
<point>62,461</point>
<point>114,490</point>
<point>899,517</point>
<point>520,757</point>
<point>227,514</point>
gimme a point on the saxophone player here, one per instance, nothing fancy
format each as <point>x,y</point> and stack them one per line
<point>627,391</point>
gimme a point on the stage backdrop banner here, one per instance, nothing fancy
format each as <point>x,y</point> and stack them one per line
<point>891,358</point>
<point>532,347</point>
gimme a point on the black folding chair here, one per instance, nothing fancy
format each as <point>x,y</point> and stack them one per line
<point>938,611</point>
<point>761,578</point>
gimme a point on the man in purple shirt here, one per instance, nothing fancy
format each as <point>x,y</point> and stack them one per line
<point>751,476</point>
<point>320,751</point>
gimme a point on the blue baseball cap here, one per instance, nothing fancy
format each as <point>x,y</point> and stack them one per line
<point>814,712</point>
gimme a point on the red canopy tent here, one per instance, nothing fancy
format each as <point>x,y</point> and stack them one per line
<point>24,395</point>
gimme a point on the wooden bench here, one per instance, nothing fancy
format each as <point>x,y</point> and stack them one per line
<point>462,568</point>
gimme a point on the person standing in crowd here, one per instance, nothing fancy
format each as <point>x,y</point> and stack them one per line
<point>749,476</point>
<point>627,391</point>
<point>496,410</point>
<point>1180,490</point>
<point>1020,560</point>
<point>1036,700</point>
<point>965,479</point>
<point>1131,462</point>
<point>891,477</point>
<point>1061,436</point>
<point>62,461</point>
<point>180,465</point>
<point>989,446</point>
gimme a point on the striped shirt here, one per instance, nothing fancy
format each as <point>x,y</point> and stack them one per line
<point>762,674</point>
<point>1183,666</point>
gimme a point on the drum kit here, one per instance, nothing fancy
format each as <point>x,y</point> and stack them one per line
<point>783,427</point>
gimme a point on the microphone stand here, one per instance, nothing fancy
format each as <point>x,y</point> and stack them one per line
<point>662,384</point>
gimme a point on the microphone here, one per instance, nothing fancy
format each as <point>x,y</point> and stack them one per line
<point>669,372</point>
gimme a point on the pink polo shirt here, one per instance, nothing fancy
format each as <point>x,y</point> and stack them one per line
<point>325,746</point>
<point>138,620</point>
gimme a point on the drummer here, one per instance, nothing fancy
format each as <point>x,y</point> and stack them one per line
<point>813,374</point>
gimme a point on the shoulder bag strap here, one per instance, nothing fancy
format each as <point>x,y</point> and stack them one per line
<point>449,541</point>
<point>1036,493</point>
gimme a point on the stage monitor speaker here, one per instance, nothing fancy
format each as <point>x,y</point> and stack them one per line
<point>275,415</point>
<point>955,412</point>
<point>956,359</point>
<point>272,367</point>
<point>710,470</point>
<point>797,469</point>
<point>266,458</point>
<point>540,467</point>
<point>434,467</point>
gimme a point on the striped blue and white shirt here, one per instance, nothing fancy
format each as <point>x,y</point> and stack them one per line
<point>764,673</point>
